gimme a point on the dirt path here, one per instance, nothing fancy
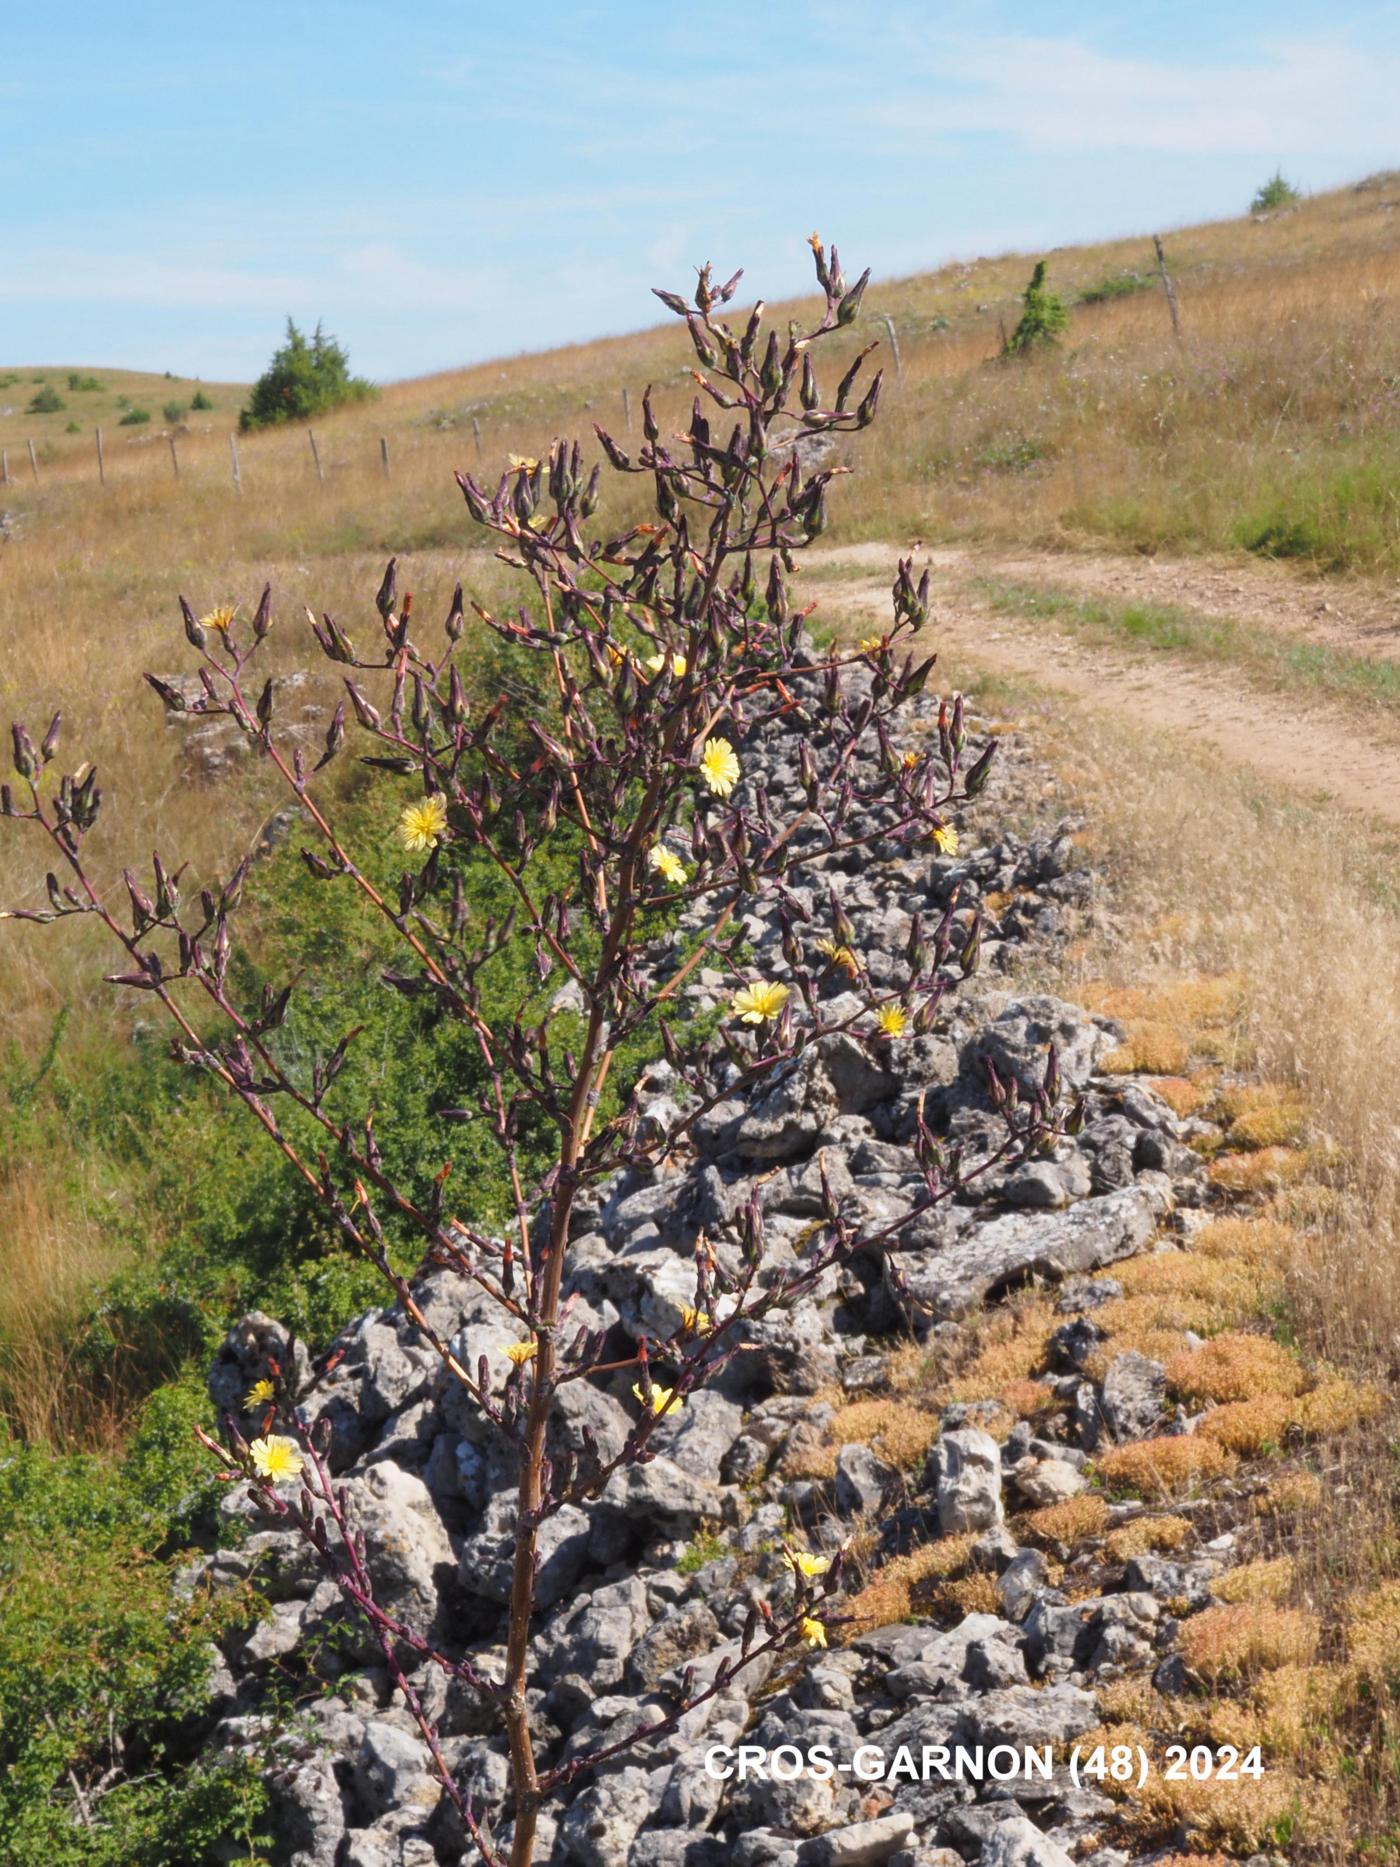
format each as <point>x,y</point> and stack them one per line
<point>1320,747</point>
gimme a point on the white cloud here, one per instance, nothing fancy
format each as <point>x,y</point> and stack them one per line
<point>1321,96</point>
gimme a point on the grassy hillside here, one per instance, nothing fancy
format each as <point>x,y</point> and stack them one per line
<point>1272,426</point>
<point>89,398</point>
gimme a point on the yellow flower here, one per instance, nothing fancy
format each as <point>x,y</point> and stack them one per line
<point>220,618</point>
<point>668,866</point>
<point>756,1004</point>
<point>945,840</point>
<point>522,463</point>
<point>813,1632</point>
<point>694,1321</point>
<point>841,956</point>
<point>893,1020</point>
<point>422,824</point>
<point>719,767</point>
<point>803,1564</point>
<point>871,644</point>
<point>260,1394</point>
<point>520,1352</point>
<point>911,759</point>
<point>655,663</point>
<point>661,1398</point>
<point>275,1457</point>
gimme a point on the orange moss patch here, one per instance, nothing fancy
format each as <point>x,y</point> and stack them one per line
<point>1239,1640</point>
<point>1161,1467</point>
<point>1254,1241</point>
<point>1261,1172</point>
<point>1151,1045</point>
<point>1298,1491</point>
<point>1148,1536</point>
<point>1373,1633</point>
<point>1235,1367</point>
<point>1070,1521</point>
<point>899,1431</point>
<point>1248,1427</point>
<point>1335,1406</point>
<point>1270,1580</point>
<point>1183,1095</point>
<point>890,1593</point>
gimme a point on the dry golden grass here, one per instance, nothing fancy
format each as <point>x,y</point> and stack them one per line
<point>1293,1493</point>
<point>1165,1467</point>
<point>1262,1172</point>
<point>1148,1536</point>
<point>1235,1367</point>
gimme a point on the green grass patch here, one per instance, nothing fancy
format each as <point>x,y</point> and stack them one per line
<point>1271,657</point>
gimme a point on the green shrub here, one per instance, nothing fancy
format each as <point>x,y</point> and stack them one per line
<point>1043,317</point>
<point>1117,285</point>
<point>306,377</point>
<point>200,400</point>
<point>73,427</point>
<point>104,1671</point>
<point>1276,192</point>
<point>46,401</point>
<point>134,418</point>
<point>174,411</point>
<point>78,382</point>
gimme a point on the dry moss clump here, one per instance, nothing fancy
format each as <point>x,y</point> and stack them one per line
<point>1238,1640</point>
<point>1263,1171</point>
<point>1249,1427</point>
<point>1335,1406</point>
<point>1372,1628</point>
<point>1235,1367</point>
<point>1297,1491</point>
<point>896,1429</point>
<point>1069,1521</point>
<point>1165,1466</point>
<point>1146,1536</point>
<point>1269,1580</point>
<point>890,1594</point>
<point>1252,1241</point>
<point>1152,1045</point>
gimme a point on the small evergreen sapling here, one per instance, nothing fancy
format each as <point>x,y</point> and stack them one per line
<point>1043,321</point>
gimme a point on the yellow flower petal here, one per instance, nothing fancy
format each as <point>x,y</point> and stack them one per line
<point>945,840</point>
<point>893,1020</point>
<point>275,1457</point>
<point>520,1352</point>
<point>260,1394</point>
<point>668,865</point>
<point>662,1398</point>
<point>719,767</point>
<point>813,1632</point>
<point>803,1564</point>
<point>421,824</point>
<point>756,1004</point>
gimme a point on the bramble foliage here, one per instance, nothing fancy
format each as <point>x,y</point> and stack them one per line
<point>307,376</point>
<point>1043,321</point>
<point>552,836</point>
<point>103,1685</point>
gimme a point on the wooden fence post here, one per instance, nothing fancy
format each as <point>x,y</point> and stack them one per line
<point>233,455</point>
<point>101,464</point>
<point>33,459</point>
<point>476,435</point>
<point>1167,286</point>
<point>316,456</point>
<point>627,407</point>
<point>4,466</point>
<point>384,454</point>
<point>174,456</point>
<point>888,322</point>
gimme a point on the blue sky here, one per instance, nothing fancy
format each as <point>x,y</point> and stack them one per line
<point>442,183</point>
